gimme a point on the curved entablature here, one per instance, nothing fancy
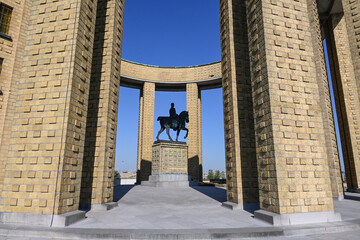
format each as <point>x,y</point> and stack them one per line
<point>170,78</point>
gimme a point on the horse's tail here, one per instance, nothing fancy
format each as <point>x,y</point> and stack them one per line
<point>159,118</point>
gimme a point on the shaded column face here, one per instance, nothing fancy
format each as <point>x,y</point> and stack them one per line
<point>200,138</point>
<point>325,102</point>
<point>99,156</point>
<point>240,151</point>
<point>351,15</point>
<point>146,131</point>
<point>140,132</point>
<point>291,149</point>
<point>346,96</point>
<point>193,105</point>
<point>43,171</point>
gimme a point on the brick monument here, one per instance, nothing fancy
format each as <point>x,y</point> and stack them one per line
<point>61,70</point>
<point>169,165</point>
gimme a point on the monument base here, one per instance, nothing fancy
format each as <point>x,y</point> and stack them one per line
<point>48,220</point>
<point>169,165</point>
<point>296,218</point>
<point>338,198</point>
<point>167,180</point>
<point>104,206</point>
<point>250,207</point>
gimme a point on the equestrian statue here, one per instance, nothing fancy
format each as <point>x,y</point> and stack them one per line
<point>175,122</point>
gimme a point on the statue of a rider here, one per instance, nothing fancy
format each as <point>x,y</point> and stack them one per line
<point>175,120</point>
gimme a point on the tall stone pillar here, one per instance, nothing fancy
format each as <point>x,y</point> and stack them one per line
<point>44,165</point>
<point>146,131</point>
<point>12,54</point>
<point>291,148</point>
<point>99,158</point>
<point>352,25</point>
<point>325,102</point>
<point>343,69</point>
<point>193,103</point>
<point>240,151</point>
<point>352,22</point>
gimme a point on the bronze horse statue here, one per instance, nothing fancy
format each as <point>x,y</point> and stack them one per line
<point>166,122</point>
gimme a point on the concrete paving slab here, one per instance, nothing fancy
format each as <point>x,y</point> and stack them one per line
<point>346,207</point>
<point>321,230</point>
<point>170,208</point>
<point>352,235</point>
<point>192,213</point>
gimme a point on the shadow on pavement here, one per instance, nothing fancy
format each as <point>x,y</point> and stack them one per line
<point>218,194</point>
<point>121,190</point>
<point>352,197</point>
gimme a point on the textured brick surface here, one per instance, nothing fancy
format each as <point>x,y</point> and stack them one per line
<point>170,74</point>
<point>325,102</point>
<point>12,52</point>
<point>347,99</point>
<point>241,165</point>
<point>352,20</point>
<point>146,131</point>
<point>291,149</point>
<point>193,106</point>
<point>169,158</point>
<point>47,138</point>
<point>99,157</point>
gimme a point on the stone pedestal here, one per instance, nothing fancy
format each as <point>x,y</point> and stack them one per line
<point>169,165</point>
<point>297,218</point>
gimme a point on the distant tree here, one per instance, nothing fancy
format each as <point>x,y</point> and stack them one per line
<point>217,174</point>
<point>210,174</point>
<point>222,175</point>
<point>117,175</point>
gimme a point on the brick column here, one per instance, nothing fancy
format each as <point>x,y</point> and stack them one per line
<point>240,151</point>
<point>99,158</point>
<point>193,105</point>
<point>43,170</point>
<point>352,24</point>
<point>200,139</point>
<point>346,96</point>
<point>325,102</point>
<point>351,10</point>
<point>291,148</point>
<point>12,51</point>
<point>146,131</point>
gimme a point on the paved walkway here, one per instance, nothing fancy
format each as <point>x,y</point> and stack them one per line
<point>353,235</point>
<point>170,208</point>
<point>186,213</point>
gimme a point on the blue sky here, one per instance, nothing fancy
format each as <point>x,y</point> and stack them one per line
<point>338,140</point>
<point>171,33</point>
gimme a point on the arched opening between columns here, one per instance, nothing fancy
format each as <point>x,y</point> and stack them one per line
<point>194,140</point>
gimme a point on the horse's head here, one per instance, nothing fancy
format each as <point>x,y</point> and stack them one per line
<point>184,115</point>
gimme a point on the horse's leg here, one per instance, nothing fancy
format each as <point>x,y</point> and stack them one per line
<point>167,131</point>
<point>187,131</point>
<point>177,134</point>
<point>160,131</point>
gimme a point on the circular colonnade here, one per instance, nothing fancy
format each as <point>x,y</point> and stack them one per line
<point>149,79</point>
